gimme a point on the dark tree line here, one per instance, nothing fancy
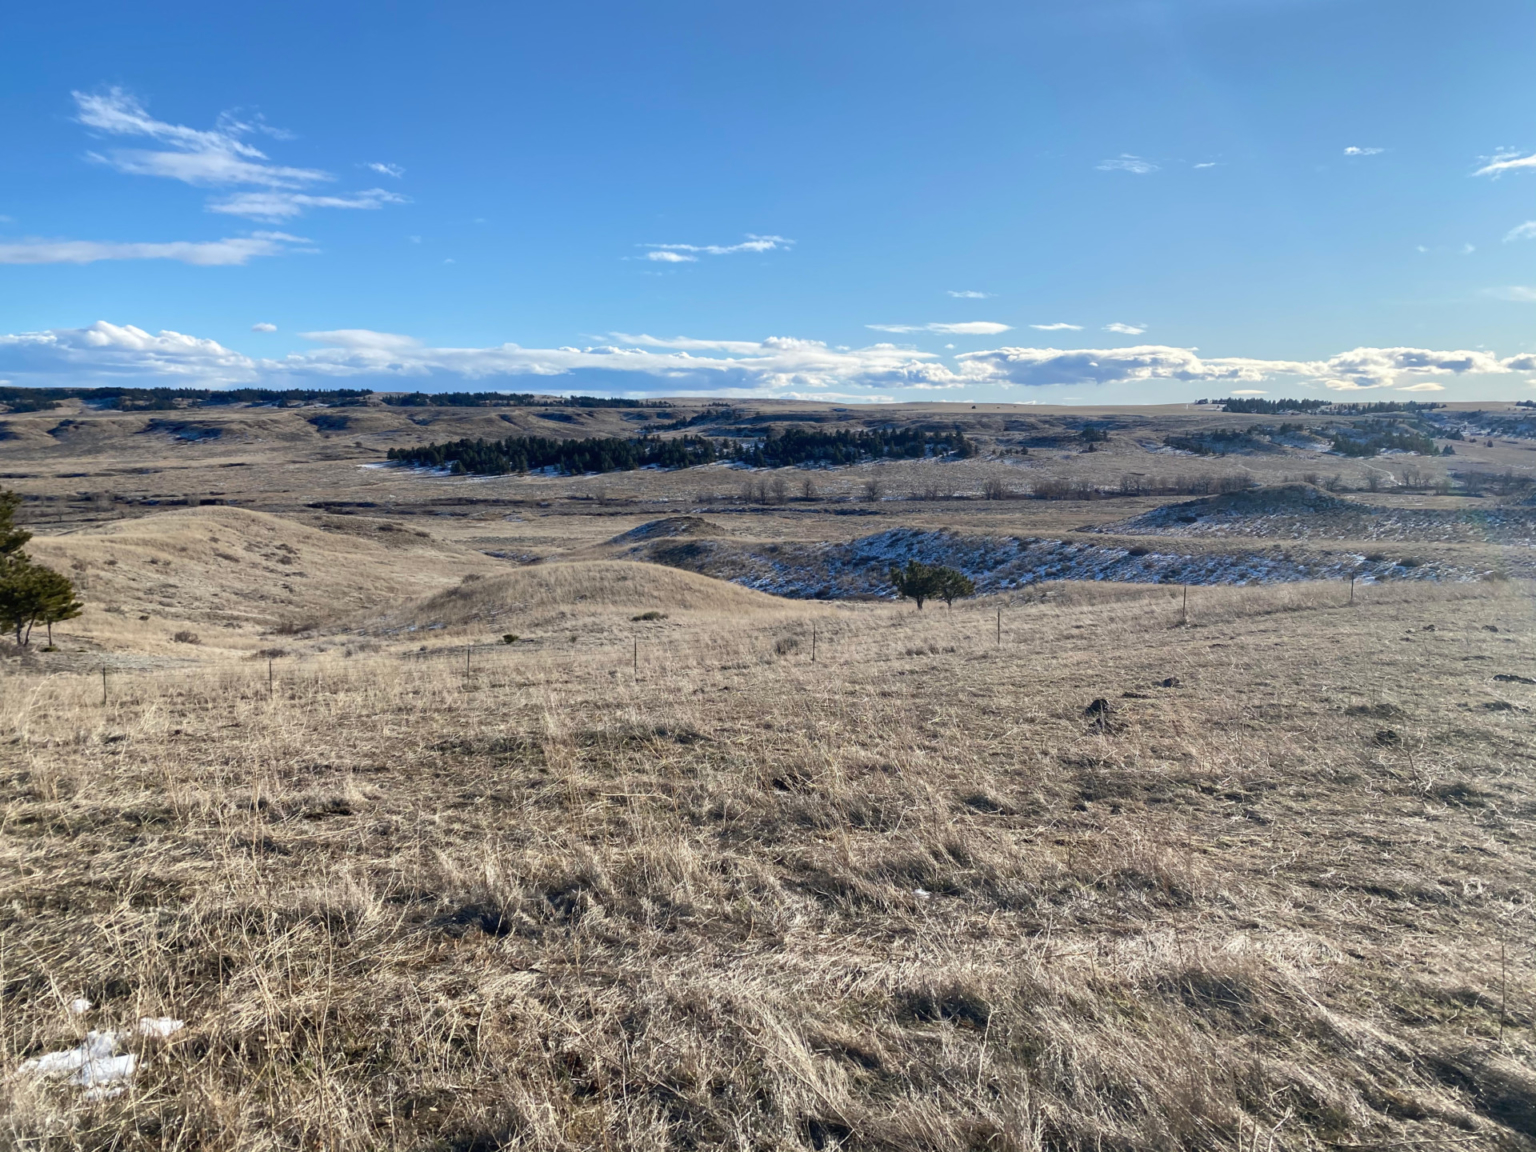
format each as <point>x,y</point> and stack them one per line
<point>166,399</point>
<point>1376,436</point>
<point>615,454</point>
<point>572,457</point>
<point>810,446</point>
<point>510,400</point>
<point>1253,406</point>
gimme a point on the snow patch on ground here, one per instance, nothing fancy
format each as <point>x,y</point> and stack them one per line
<point>95,1063</point>
<point>999,564</point>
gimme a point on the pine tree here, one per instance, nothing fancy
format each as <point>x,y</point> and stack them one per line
<point>30,594</point>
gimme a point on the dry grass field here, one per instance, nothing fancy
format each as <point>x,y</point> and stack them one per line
<point>688,866</point>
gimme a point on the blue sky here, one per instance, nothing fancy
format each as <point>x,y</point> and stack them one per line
<point>1089,202</point>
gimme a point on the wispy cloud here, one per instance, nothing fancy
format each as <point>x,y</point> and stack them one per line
<point>386,169</point>
<point>1249,392</point>
<point>1355,150</point>
<point>1059,326</point>
<point>276,206</point>
<point>1125,329</point>
<point>1526,231</point>
<point>1515,292</point>
<point>964,328</point>
<point>1208,164</point>
<point>263,327</point>
<point>196,156</point>
<point>207,253</point>
<point>970,295</point>
<point>218,157</point>
<point>1125,162</point>
<point>1506,161</point>
<point>689,253</point>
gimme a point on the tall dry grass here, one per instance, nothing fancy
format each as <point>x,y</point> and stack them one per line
<point>906,897</point>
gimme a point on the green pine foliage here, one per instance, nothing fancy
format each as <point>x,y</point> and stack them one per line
<point>780,449</point>
<point>30,594</point>
<point>571,457</point>
<point>922,582</point>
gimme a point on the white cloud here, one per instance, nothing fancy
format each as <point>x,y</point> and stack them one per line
<point>263,327</point>
<point>965,328</point>
<point>970,295</point>
<point>1059,326</point>
<point>107,353</point>
<point>1125,162</point>
<point>687,253</point>
<point>1352,150</point>
<point>275,206</point>
<point>215,158</point>
<point>386,169</point>
<point>1125,329</point>
<point>1208,164</point>
<point>683,365</point>
<point>1360,368</point>
<point>1427,386</point>
<point>1516,293</point>
<point>1526,231</point>
<point>207,253</point>
<point>1508,161</point>
<point>1249,392</point>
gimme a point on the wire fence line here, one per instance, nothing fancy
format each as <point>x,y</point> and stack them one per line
<point>805,644</point>
<point>975,626</point>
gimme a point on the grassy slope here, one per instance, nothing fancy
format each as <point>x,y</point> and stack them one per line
<point>906,897</point>
<point>232,574</point>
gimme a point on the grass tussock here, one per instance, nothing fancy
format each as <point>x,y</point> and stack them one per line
<point>907,897</point>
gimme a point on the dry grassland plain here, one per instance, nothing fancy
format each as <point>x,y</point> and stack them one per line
<point>686,865</point>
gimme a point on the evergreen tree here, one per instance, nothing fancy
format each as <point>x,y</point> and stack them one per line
<point>955,585</point>
<point>11,537</point>
<point>30,594</point>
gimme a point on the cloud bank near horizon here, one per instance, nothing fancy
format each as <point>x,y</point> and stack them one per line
<point>124,355</point>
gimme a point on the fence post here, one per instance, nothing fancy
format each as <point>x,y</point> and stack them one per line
<point>813,643</point>
<point>467,649</point>
<point>999,626</point>
<point>1351,589</point>
<point>269,678</point>
<point>635,665</point>
<point>1184,618</point>
<point>103,683</point>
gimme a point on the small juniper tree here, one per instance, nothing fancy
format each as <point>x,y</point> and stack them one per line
<point>29,593</point>
<point>11,537</point>
<point>955,586</point>
<point>920,582</point>
<point>58,600</point>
